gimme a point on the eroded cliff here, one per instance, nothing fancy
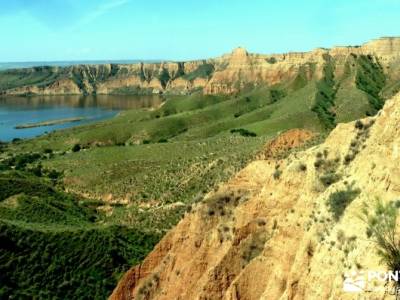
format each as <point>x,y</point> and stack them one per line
<point>270,233</point>
<point>228,74</point>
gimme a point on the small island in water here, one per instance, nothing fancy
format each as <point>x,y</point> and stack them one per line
<point>50,122</point>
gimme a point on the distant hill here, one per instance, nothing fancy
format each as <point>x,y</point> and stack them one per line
<point>372,68</point>
<point>31,64</point>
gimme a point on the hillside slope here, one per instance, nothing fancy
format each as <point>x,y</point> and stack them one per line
<point>282,229</point>
<point>52,244</point>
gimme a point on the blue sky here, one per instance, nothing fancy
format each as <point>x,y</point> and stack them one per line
<point>49,30</point>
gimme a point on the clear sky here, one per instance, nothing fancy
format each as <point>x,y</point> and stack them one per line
<point>49,30</point>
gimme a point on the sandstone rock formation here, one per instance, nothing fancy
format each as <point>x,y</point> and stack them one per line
<point>228,74</point>
<point>269,234</point>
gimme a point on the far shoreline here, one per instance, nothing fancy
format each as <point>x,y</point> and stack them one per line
<point>50,122</point>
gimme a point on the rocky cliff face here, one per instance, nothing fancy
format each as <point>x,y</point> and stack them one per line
<point>228,74</point>
<point>269,233</point>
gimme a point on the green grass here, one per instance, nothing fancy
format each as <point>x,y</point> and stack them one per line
<point>52,245</point>
<point>40,76</point>
<point>167,172</point>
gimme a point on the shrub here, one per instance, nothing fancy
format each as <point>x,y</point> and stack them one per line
<point>54,175</point>
<point>339,200</point>
<point>329,178</point>
<point>359,125</point>
<point>277,174</point>
<point>354,143</point>
<point>37,170</point>
<point>244,132</point>
<point>303,167</point>
<point>276,95</point>
<point>318,163</point>
<point>254,248</point>
<point>76,148</point>
<point>348,158</point>
<point>21,160</point>
<point>381,227</point>
<point>221,203</point>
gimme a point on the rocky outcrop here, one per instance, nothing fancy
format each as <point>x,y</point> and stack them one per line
<point>228,74</point>
<point>269,233</point>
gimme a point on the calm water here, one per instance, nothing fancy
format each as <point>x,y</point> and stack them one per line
<point>22,110</point>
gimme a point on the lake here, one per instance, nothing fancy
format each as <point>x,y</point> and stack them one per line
<point>17,111</point>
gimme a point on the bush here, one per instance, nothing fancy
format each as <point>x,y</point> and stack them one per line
<point>359,125</point>
<point>54,175</point>
<point>348,158</point>
<point>277,174</point>
<point>21,160</point>
<point>221,203</point>
<point>52,249</point>
<point>37,170</point>
<point>303,167</point>
<point>244,132</point>
<point>76,148</point>
<point>339,200</point>
<point>329,178</point>
<point>381,227</point>
<point>318,163</point>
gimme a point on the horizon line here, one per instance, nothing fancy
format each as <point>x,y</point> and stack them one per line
<point>185,60</point>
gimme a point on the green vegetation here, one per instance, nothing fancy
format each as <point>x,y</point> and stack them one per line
<point>76,148</point>
<point>325,96</point>
<point>277,94</point>
<point>243,132</point>
<point>370,79</point>
<point>131,178</point>
<point>359,141</point>
<point>329,178</point>
<point>222,203</point>
<point>52,245</point>
<point>339,200</point>
<point>381,223</point>
<point>253,247</point>
<point>203,71</point>
<point>39,75</point>
<point>327,168</point>
<point>164,77</point>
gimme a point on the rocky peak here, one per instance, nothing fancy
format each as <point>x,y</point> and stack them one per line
<point>239,52</point>
<point>385,46</point>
